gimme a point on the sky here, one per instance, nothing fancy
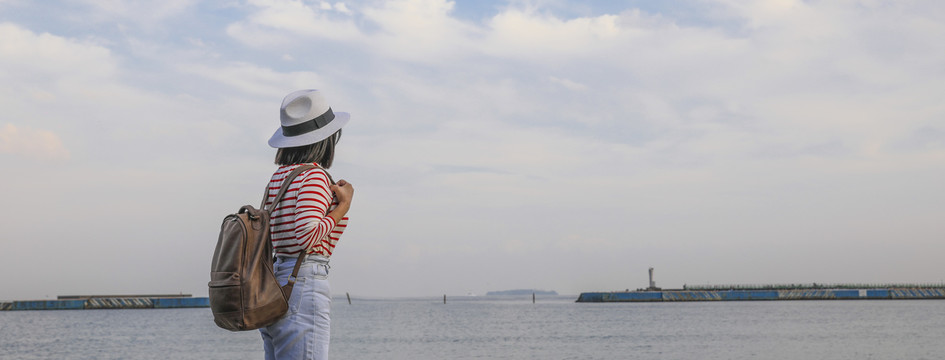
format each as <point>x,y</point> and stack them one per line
<point>494,145</point>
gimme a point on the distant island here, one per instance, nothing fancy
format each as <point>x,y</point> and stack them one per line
<point>522,292</point>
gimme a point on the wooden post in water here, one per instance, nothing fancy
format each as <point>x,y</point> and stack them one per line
<point>533,298</point>
<point>444,298</point>
<point>349,298</point>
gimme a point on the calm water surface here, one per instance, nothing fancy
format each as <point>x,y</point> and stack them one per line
<point>509,328</point>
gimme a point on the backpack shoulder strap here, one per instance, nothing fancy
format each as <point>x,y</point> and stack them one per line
<point>285,187</point>
<point>330,180</point>
<point>287,288</point>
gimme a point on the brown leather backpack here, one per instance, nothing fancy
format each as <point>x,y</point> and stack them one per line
<point>244,293</point>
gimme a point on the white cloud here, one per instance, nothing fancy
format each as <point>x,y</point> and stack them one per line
<point>142,12</point>
<point>569,84</point>
<point>80,90</point>
<point>342,8</point>
<point>267,27</point>
<point>530,35</point>
<point>253,79</point>
<point>339,7</point>
<point>31,143</point>
<point>40,58</point>
<point>414,30</point>
<point>420,30</point>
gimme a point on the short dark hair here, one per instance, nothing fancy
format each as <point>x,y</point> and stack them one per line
<point>322,152</point>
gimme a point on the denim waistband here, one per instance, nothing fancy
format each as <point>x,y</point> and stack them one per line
<point>311,258</point>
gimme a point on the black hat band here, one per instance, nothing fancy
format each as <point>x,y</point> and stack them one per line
<point>311,125</point>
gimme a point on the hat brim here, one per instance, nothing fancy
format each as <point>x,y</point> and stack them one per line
<point>281,141</point>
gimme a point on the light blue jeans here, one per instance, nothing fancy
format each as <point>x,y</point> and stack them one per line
<point>303,332</point>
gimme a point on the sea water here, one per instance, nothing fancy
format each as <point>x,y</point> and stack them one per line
<point>504,327</point>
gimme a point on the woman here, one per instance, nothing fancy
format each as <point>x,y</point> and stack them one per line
<point>307,219</point>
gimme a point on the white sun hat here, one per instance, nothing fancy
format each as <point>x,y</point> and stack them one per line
<point>306,119</point>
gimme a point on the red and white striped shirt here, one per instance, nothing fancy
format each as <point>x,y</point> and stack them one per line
<point>300,220</point>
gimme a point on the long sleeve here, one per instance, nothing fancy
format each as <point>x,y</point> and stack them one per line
<point>314,199</point>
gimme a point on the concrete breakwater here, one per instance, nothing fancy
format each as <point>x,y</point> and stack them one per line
<point>109,302</point>
<point>758,294</point>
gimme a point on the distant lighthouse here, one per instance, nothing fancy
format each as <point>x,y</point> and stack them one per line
<point>652,283</point>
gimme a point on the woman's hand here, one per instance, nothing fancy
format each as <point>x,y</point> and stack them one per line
<point>344,191</point>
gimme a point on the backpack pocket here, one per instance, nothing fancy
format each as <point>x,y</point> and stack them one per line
<point>225,293</point>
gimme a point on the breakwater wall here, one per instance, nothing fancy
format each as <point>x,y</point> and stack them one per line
<point>756,295</point>
<point>108,303</point>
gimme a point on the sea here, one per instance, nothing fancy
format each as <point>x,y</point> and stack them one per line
<point>509,327</point>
